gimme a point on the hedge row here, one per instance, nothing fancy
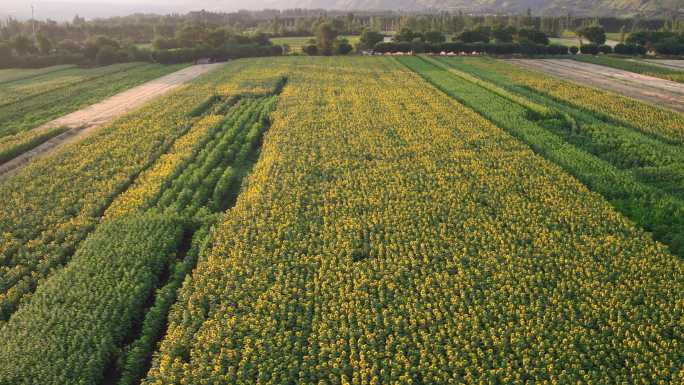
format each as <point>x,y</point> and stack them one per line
<point>506,48</point>
<point>489,48</point>
<point>166,56</point>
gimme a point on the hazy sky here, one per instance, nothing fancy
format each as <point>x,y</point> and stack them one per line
<point>66,9</point>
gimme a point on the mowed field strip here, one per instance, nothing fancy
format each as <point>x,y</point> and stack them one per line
<point>85,121</point>
<point>661,92</point>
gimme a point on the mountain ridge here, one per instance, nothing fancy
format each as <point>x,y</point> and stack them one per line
<point>538,7</point>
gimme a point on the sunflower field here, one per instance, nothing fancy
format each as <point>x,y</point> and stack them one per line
<point>351,220</point>
<point>389,235</point>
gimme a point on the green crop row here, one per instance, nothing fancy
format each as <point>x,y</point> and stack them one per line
<point>31,87</point>
<point>15,74</point>
<point>69,330</point>
<point>651,160</point>
<point>15,145</point>
<point>212,178</point>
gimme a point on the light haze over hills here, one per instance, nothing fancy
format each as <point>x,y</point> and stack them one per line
<point>66,9</point>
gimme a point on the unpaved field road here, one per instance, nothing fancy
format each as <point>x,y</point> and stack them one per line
<point>87,120</point>
<point>671,64</point>
<point>663,93</point>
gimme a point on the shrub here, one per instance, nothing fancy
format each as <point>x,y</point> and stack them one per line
<point>555,49</point>
<point>589,49</point>
<point>310,49</point>
<point>606,49</point>
<point>107,55</point>
<point>369,39</point>
<point>624,49</point>
<point>574,50</point>
<point>342,47</point>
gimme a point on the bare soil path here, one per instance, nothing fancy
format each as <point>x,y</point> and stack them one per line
<point>663,93</point>
<point>671,64</point>
<point>84,122</point>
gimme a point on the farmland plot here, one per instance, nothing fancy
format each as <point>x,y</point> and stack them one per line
<point>32,86</point>
<point>150,228</point>
<point>78,124</point>
<point>382,234</point>
<point>660,123</point>
<point>12,74</point>
<point>362,252</point>
<point>643,67</point>
<point>657,91</point>
<point>640,175</point>
<point>42,221</point>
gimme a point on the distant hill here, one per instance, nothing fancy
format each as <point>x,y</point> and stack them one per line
<point>545,7</point>
<point>538,7</point>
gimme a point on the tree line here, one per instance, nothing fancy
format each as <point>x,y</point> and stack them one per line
<point>178,38</point>
<point>188,43</point>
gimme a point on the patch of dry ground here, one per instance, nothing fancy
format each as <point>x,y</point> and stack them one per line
<point>663,93</point>
<point>671,64</point>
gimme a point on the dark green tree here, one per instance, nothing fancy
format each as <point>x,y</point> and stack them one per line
<point>531,35</point>
<point>595,34</point>
<point>407,34</point>
<point>325,38</point>
<point>503,34</point>
<point>44,44</point>
<point>479,34</point>
<point>434,37</point>
<point>23,45</point>
<point>369,39</point>
<point>5,54</point>
<point>342,47</point>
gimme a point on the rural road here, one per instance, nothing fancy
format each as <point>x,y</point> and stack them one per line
<point>671,64</point>
<point>87,120</point>
<point>657,91</point>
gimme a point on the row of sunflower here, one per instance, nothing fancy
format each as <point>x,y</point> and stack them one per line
<point>390,235</point>
<point>652,120</point>
<point>100,296</point>
<point>637,173</point>
<point>196,162</point>
<point>49,206</point>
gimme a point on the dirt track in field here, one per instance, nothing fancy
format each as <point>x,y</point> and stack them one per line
<point>663,93</point>
<point>84,122</point>
<point>671,64</point>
